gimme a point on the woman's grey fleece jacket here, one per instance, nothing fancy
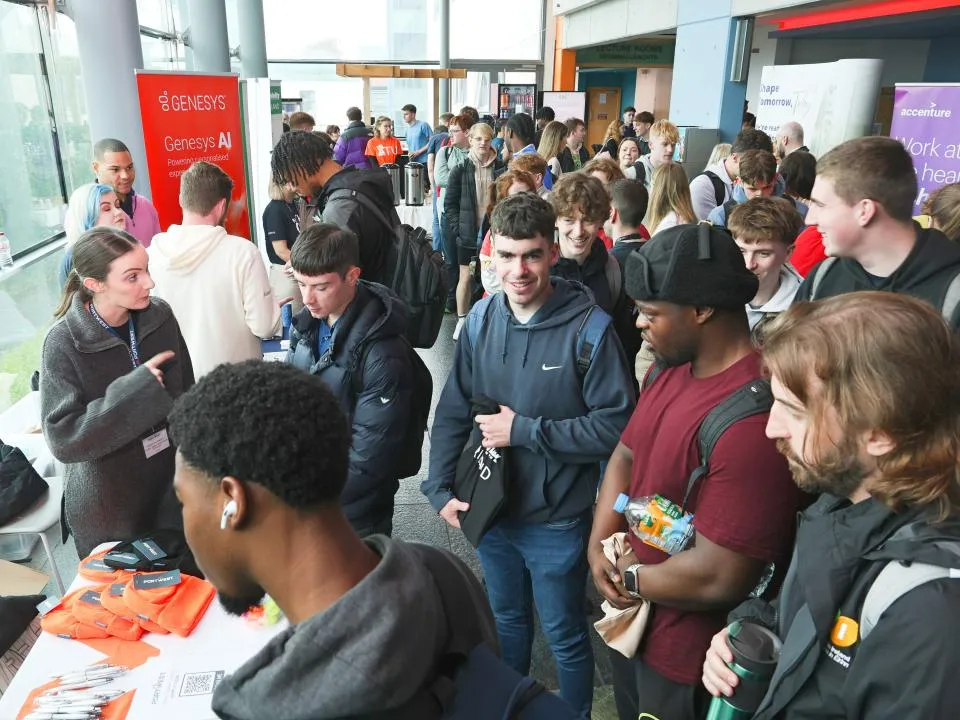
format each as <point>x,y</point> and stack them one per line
<point>96,411</point>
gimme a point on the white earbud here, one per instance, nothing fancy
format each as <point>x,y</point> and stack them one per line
<point>229,511</point>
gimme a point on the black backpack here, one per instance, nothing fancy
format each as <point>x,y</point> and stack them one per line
<point>414,271</point>
<point>411,457</point>
<point>719,189</point>
<point>754,398</point>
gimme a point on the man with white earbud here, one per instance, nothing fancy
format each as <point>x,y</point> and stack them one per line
<point>368,617</point>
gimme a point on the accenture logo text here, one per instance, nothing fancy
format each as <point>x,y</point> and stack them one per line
<point>928,112</point>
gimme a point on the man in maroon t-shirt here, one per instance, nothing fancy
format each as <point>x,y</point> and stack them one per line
<point>691,287</point>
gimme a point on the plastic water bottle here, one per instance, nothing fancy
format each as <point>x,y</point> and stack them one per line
<point>658,522</point>
<point>6,253</point>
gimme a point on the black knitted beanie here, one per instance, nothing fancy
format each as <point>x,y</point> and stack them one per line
<point>697,265</point>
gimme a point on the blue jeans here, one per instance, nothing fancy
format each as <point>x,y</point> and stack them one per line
<point>435,235</point>
<point>546,563</point>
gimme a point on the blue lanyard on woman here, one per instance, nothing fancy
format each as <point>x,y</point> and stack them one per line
<point>132,350</point>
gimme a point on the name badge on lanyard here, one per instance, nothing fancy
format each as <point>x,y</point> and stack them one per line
<point>157,441</point>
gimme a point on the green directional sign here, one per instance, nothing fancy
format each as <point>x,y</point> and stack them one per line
<point>276,106</point>
<point>628,53</point>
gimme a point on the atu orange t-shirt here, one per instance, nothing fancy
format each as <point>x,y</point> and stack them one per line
<point>385,151</point>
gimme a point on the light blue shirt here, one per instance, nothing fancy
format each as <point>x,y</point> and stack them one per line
<point>418,135</point>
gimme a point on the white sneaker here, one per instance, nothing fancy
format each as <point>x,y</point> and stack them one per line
<point>458,328</point>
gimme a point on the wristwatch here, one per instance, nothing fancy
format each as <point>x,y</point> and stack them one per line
<point>630,581</point>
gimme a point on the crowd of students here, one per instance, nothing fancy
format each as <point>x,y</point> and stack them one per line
<point>615,322</point>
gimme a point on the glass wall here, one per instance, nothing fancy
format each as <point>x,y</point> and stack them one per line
<point>32,194</point>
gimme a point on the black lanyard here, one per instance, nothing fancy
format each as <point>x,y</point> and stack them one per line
<point>631,236</point>
<point>132,350</point>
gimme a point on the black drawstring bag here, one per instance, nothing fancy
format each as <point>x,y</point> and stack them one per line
<point>20,485</point>
<point>160,550</point>
<point>482,478</point>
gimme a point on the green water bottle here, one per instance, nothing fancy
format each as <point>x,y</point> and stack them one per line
<point>756,651</point>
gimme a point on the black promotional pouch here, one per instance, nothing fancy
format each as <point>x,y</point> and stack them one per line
<point>155,552</point>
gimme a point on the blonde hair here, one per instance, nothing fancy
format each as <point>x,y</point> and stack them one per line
<point>666,130</point>
<point>721,151</point>
<point>553,140</point>
<point>670,192</point>
<point>876,361</point>
<point>275,192</point>
<point>481,130</point>
<point>614,132</point>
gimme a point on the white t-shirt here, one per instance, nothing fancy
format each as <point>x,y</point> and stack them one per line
<point>669,221</point>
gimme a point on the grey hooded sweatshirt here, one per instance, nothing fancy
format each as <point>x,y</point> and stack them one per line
<point>367,653</point>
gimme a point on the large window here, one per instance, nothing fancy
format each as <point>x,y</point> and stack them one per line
<point>370,31</point>
<point>31,189</point>
<point>496,30</point>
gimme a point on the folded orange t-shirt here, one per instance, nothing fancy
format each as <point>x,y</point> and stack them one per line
<point>112,599</point>
<point>89,610</point>
<point>62,620</point>
<point>177,606</point>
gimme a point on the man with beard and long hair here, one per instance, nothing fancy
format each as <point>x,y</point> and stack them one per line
<point>691,285</point>
<point>263,455</point>
<point>867,412</point>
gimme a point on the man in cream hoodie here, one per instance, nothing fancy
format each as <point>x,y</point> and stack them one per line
<point>216,283</point>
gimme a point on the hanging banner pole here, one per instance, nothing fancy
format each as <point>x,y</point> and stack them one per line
<point>189,117</point>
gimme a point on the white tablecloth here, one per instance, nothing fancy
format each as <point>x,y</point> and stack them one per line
<point>417,215</point>
<point>168,684</point>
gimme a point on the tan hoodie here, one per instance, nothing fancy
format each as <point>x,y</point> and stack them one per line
<point>218,288</point>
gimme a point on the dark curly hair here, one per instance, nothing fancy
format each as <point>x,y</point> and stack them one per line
<point>523,216</point>
<point>267,423</point>
<point>298,153</point>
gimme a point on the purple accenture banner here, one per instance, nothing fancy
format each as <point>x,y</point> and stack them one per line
<point>925,120</point>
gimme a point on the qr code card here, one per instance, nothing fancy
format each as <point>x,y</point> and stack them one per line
<point>200,683</point>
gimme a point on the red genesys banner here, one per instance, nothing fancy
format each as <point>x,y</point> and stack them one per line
<point>188,117</point>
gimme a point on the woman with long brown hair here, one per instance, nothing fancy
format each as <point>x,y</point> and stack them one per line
<point>110,370</point>
<point>553,141</point>
<point>670,201</point>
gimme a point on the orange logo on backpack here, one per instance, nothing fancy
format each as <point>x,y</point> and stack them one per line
<point>845,633</point>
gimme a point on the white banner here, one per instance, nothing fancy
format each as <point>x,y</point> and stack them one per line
<point>833,102</point>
